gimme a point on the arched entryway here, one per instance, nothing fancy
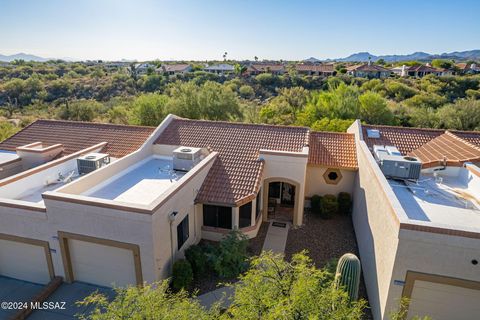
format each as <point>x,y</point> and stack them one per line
<point>281,199</point>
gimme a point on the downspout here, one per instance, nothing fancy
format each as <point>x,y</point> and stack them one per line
<point>171,218</point>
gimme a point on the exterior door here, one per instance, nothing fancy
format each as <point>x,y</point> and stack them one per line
<point>24,261</point>
<point>444,302</point>
<point>288,194</point>
<point>101,264</point>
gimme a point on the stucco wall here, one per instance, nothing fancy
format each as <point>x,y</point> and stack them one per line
<point>376,228</point>
<point>183,203</point>
<point>315,183</point>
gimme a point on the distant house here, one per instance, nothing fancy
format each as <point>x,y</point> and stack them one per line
<point>222,68</point>
<point>468,68</point>
<point>368,70</point>
<point>276,69</point>
<point>173,69</point>
<point>423,70</point>
<point>323,70</point>
<point>142,68</point>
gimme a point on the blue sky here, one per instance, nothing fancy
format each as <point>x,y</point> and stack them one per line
<point>204,29</point>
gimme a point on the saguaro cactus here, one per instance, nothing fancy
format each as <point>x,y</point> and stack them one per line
<point>347,275</point>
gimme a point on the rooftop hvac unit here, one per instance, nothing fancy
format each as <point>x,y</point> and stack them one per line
<point>396,166</point>
<point>91,162</point>
<point>185,158</point>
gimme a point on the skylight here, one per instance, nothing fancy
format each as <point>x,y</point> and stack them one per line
<point>373,133</point>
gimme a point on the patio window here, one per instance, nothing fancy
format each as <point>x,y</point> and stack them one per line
<point>274,190</point>
<point>257,211</point>
<point>182,232</point>
<point>217,216</point>
<point>245,215</point>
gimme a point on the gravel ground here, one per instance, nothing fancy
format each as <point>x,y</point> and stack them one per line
<point>210,281</point>
<point>325,240</point>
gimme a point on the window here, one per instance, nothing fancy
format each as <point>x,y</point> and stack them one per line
<point>257,211</point>
<point>245,215</point>
<point>274,190</point>
<point>332,176</point>
<point>217,216</point>
<point>182,232</point>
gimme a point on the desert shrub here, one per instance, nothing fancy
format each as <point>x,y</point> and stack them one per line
<point>230,257</point>
<point>182,275</point>
<point>329,206</point>
<point>344,203</point>
<point>316,205</point>
<point>197,257</point>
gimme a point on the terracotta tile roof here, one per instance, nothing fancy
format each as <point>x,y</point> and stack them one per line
<point>367,68</point>
<point>447,148</point>
<point>315,67</point>
<point>236,173</point>
<point>266,67</point>
<point>75,136</point>
<point>423,68</point>
<point>332,149</point>
<point>455,145</point>
<point>175,67</point>
<point>405,139</point>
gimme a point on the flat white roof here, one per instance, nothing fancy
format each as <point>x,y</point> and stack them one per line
<point>442,200</point>
<point>139,184</point>
<point>6,156</point>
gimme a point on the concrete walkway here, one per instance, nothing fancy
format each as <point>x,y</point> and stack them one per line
<point>276,238</point>
<point>209,298</point>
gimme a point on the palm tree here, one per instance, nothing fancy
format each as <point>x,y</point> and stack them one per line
<point>256,58</point>
<point>239,69</point>
<point>225,56</point>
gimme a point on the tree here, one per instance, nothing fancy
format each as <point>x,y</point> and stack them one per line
<point>283,109</point>
<point>7,129</point>
<point>277,289</point>
<point>442,63</point>
<point>337,125</point>
<point>462,115</point>
<point>225,56</point>
<point>239,69</point>
<point>150,109</point>
<point>153,301</point>
<point>374,109</point>
<point>255,58</point>
<point>80,110</point>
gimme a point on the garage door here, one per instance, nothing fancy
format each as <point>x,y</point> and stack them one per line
<point>23,261</point>
<point>442,301</point>
<point>101,264</point>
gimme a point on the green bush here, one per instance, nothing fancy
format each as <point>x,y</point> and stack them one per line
<point>197,257</point>
<point>182,276</point>
<point>344,203</point>
<point>316,204</point>
<point>329,206</point>
<point>230,257</point>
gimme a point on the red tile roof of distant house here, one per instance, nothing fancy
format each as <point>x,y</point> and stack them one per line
<point>75,136</point>
<point>332,149</point>
<point>266,67</point>
<point>236,173</point>
<point>329,68</point>
<point>446,149</point>
<point>367,68</point>
<point>175,67</point>
<point>424,68</point>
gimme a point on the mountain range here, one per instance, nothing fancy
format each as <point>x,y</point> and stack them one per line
<point>421,56</point>
<point>21,56</point>
<point>356,57</point>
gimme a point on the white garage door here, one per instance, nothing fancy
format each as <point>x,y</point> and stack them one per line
<point>101,265</point>
<point>444,302</point>
<point>23,261</point>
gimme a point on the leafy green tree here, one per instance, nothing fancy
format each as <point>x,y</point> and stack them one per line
<point>283,109</point>
<point>80,110</point>
<point>153,301</point>
<point>398,91</point>
<point>239,69</point>
<point>442,63</point>
<point>59,89</point>
<point>374,109</point>
<point>246,92</point>
<point>423,117</point>
<point>462,115</point>
<point>230,257</point>
<point>208,101</point>
<point>150,109</point>
<point>151,83</point>
<point>274,288</point>
<point>425,100</point>
<point>337,125</point>
<point>7,129</point>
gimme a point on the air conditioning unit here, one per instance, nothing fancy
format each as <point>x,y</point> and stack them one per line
<point>396,166</point>
<point>185,158</point>
<point>91,162</point>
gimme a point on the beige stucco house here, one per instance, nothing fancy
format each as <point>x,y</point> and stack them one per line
<point>117,205</point>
